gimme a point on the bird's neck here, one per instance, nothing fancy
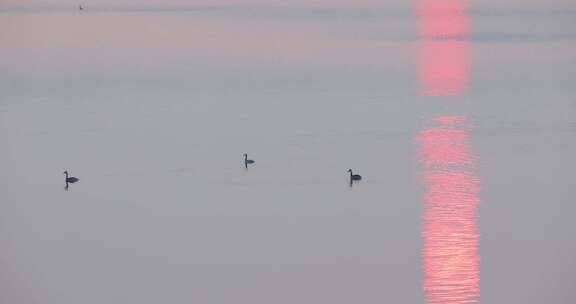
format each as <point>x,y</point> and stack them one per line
<point>66,175</point>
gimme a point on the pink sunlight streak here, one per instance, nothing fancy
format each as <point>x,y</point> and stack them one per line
<point>444,26</point>
<point>451,239</point>
<point>451,260</point>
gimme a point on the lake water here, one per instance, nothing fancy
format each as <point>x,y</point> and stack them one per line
<point>460,118</point>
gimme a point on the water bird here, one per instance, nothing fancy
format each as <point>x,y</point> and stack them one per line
<point>354,177</point>
<point>80,7</point>
<point>70,179</point>
<point>247,161</point>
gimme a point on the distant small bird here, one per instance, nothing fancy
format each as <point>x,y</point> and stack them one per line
<point>354,177</point>
<point>80,7</point>
<point>70,179</point>
<point>247,161</point>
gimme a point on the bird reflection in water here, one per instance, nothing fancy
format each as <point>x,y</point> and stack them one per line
<point>354,178</point>
<point>69,180</point>
<point>247,161</point>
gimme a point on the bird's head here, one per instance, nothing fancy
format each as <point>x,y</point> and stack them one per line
<point>65,172</point>
<point>350,170</point>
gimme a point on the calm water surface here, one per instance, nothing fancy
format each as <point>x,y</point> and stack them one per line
<point>461,118</point>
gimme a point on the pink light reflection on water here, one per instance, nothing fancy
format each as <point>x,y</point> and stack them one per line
<point>444,50</point>
<point>444,67</point>
<point>450,231</point>
<point>451,238</point>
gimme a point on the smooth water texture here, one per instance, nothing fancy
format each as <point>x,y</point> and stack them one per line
<point>459,115</point>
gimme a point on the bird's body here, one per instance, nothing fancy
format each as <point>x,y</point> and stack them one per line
<point>70,179</point>
<point>247,161</point>
<point>354,177</point>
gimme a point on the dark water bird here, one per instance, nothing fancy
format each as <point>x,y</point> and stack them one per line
<point>354,177</point>
<point>80,7</point>
<point>247,161</point>
<point>70,179</point>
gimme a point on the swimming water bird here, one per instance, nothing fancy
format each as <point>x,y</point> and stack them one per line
<point>70,179</point>
<point>80,7</point>
<point>247,161</point>
<point>354,177</point>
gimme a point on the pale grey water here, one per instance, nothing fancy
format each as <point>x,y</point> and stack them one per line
<point>153,108</point>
